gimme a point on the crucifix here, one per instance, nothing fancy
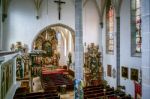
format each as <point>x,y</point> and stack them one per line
<point>59,7</point>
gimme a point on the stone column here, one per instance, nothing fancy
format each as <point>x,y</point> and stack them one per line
<point>78,40</point>
<point>145,7</point>
<point>78,50</point>
<point>118,49</point>
<point>117,5</point>
<point>101,48</point>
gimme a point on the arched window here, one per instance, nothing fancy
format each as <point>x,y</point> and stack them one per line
<point>59,38</point>
<point>136,27</point>
<point>109,28</point>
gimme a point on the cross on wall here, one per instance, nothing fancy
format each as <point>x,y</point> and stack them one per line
<point>59,3</point>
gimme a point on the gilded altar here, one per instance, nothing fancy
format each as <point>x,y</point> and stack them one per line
<point>92,65</point>
<point>47,41</point>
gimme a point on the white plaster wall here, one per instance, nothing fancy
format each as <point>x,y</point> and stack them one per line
<point>91,31</point>
<point>108,59</point>
<point>126,59</point>
<point>125,51</point>
<point>22,25</point>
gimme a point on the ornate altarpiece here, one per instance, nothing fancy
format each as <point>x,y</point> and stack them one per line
<point>47,41</point>
<point>92,65</point>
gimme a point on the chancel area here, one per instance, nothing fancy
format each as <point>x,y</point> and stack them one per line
<point>74,49</point>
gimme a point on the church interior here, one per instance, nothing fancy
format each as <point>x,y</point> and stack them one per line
<point>74,49</point>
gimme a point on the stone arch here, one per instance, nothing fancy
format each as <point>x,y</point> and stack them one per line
<point>55,25</point>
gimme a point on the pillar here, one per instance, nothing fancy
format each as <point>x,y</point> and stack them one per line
<point>78,40</point>
<point>145,12</point>
<point>118,49</point>
<point>117,5</point>
<point>78,50</point>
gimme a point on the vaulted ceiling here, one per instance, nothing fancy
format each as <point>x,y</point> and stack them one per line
<point>99,4</point>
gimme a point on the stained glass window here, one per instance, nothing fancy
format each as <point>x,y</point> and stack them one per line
<point>136,27</point>
<point>109,28</point>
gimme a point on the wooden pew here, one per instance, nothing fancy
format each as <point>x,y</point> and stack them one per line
<point>95,92</point>
<point>38,95</point>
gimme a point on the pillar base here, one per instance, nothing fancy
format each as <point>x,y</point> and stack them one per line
<point>78,89</point>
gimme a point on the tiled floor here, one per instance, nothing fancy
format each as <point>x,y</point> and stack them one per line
<point>68,95</point>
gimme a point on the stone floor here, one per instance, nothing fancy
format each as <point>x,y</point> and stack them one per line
<point>68,95</point>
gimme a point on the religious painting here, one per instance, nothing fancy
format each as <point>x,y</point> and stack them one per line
<point>46,46</point>
<point>134,74</point>
<point>109,70</point>
<point>46,41</point>
<point>124,72</point>
<point>109,28</point>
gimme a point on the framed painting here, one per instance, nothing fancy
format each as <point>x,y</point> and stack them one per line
<point>109,70</point>
<point>134,74</point>
<point>124,72</point>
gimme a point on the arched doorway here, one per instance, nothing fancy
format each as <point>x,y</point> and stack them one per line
<point>59,36</point>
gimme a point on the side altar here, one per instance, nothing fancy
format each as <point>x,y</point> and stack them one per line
<point>92,65</point>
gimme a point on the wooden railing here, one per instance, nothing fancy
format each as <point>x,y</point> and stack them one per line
<point>7,74</point>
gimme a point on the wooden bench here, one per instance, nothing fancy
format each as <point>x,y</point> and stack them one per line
<point>38,95</point>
